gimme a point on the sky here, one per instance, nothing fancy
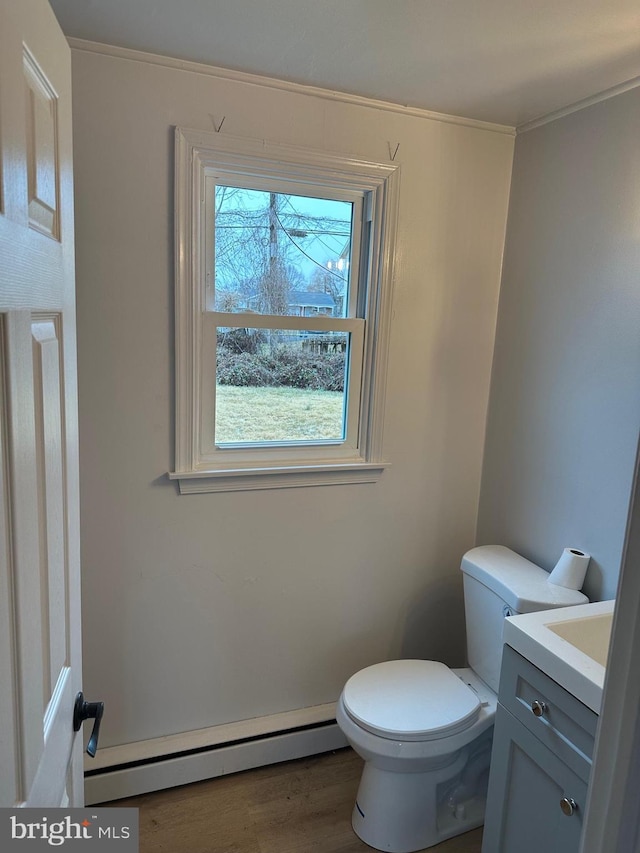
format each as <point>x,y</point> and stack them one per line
<point>310,233</point>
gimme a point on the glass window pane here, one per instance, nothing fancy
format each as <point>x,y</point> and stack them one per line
<point>280,385</point>
<point>277,253</point>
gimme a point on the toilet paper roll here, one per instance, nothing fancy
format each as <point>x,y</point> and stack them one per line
<point>570,569</point>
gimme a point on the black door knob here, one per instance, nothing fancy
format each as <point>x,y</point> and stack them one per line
<point>88,711</point>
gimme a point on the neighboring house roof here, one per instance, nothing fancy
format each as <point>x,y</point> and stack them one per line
<point>311,299</point>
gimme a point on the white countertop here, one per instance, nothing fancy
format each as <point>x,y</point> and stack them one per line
<point>573,663</point>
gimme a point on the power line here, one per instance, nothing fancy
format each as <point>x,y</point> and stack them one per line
<point>306,230</point>
<point>326,245</point>
<point>300,249</point>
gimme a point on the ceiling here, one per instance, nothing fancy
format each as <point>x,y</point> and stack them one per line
<point>503,61</point>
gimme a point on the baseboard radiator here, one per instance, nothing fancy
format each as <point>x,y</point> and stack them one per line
<point>153,765</point>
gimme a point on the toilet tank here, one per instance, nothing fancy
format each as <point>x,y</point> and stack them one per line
<point>498,583</point>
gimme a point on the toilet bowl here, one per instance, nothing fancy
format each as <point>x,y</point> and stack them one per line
<point>427,763</point>
<point>424,730</point>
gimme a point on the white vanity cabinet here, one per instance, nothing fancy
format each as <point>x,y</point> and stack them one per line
<point>540,764</point>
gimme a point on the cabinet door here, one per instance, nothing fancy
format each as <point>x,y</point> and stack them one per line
<point>526,787</point>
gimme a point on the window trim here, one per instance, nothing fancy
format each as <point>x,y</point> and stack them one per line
<point>197,153</point>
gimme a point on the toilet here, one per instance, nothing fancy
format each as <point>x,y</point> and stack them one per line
<point>424,730</point>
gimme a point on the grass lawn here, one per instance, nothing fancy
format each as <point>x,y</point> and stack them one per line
<point>277,414</point>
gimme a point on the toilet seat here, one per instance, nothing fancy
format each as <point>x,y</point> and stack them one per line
<point>411,700</point>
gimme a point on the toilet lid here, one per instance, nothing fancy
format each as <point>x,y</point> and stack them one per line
<point>410,700</point>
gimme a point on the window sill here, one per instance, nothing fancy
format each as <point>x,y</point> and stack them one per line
<point>287,477</point>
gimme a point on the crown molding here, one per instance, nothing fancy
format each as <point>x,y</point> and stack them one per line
<point>579,105</point>
<point>282,85</point>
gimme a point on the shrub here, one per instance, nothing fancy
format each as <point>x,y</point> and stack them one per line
<point>289,367</point>
<point>292,368</point>
<point>240,368</point>
<point>330,371</point>
<point>299,369</point>
<point>241,340</point>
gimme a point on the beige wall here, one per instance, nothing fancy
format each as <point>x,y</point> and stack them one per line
<point>205,609</point>
<point>565,395</point>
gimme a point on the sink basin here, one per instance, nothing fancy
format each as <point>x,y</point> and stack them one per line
<point>589,634</point>
<point>569,644</point>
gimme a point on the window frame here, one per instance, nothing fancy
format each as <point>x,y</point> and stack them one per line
<point>204,468</point>
<point>229,456</point>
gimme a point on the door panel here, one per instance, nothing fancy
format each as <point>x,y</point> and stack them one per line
<point>52,503</point>
<point>42,148</point>
<point>39,507</point>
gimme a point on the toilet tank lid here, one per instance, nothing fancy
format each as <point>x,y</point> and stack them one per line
<point>517,581</point>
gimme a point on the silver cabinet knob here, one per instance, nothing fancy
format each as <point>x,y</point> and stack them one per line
<point>538,707</point>
<point>568,806</point>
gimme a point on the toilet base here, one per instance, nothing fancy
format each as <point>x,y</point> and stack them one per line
<point>405,812</point>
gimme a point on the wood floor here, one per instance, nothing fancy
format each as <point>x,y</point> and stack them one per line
<point>301,806</point>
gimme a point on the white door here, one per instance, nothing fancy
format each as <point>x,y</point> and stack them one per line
<point>40,675</point>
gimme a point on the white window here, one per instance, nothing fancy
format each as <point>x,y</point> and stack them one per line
<point>284,263</point>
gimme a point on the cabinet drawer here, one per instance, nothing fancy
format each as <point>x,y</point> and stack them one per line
<point>566,726</point>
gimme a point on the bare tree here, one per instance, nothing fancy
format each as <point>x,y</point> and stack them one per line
<point>332,282</point>
<point>259,246</point>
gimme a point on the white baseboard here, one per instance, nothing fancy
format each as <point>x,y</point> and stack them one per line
<point>111,757</point>
<point>157,773</point>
